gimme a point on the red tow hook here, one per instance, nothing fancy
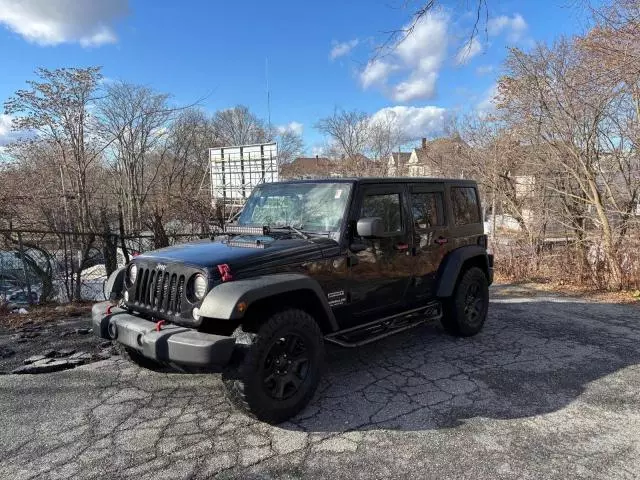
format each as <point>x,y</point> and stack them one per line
<point>225,272</point>
<point>109,309</point>
<point>159,325</point>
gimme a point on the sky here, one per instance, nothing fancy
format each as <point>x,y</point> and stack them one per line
<point>320,56</point>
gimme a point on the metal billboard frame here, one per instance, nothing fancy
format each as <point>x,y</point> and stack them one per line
<point>236,170</point>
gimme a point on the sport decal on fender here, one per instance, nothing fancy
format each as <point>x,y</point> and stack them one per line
<point>336,298</point>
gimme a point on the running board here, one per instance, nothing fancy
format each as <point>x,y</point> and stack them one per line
<point>372,331</point>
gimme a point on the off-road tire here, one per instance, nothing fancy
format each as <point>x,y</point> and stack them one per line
<point>462,316</point>
<point>245,380</point>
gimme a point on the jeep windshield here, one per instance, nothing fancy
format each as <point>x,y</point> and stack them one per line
<point>310,207</point>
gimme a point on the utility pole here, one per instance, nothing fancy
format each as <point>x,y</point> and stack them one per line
<point>266,74</point>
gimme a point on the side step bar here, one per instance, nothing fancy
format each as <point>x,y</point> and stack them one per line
<point>377,329</point>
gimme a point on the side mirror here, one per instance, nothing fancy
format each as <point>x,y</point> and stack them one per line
<point>370,227</point>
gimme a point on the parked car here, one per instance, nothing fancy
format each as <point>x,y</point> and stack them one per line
<point>345,261</point>
<point>21,299</point>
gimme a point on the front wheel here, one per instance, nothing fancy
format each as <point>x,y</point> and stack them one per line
<point>279,370</point>
<point>466,311</point>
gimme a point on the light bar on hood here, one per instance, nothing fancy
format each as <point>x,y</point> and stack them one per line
<point>242,230</point>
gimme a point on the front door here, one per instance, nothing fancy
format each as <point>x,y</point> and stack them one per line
<point>431,238</point>
<point>381,269</point>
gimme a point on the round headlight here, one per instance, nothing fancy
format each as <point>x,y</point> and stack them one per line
<point>199,286</point>
<point>133,273</point>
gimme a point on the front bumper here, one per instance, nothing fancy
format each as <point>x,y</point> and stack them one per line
<point>170,344</point>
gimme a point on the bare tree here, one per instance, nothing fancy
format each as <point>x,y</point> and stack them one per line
<point>290,146</point>
<point>57,109</point>
<point>133,122</point>
<point>555,98</point>
<point>384,136</point>
<point>181,201</point>
<point>348,130</point>
<point>238,126</point>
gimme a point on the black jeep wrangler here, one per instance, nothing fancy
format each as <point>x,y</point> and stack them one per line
<point>346,261</point>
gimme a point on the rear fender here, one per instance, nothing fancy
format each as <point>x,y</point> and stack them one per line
<point>230,300</point>
<point>451,267</point>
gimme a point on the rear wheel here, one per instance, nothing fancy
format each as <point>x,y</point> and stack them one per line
<point>466,311</point>
<point>279,368</point>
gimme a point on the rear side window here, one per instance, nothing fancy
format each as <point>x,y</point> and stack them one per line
<point>464,201</point>
<point>427,210</point>
<point>387,207</point>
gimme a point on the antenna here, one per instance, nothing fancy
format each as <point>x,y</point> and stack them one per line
<point>266,74</point>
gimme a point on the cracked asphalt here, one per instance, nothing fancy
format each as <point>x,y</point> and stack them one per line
<point>549,389</point>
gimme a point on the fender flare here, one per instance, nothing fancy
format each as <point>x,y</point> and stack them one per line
<point>452,264</point>
<point>115,284</point>
<point>222,300</point>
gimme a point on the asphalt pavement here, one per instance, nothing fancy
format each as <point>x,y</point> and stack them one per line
<point>549,389</point>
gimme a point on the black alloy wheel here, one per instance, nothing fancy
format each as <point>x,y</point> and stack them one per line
<point>286,366</point>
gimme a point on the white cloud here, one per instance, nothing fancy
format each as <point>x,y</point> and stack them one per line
<point>52,22</point>
<point>5,124</point>
<point>514,26</point>
<point>413,122</point>
<point>343,48</point>
<point>421,86</point>
<point>376,73</point>
<point>295,127</point>
<point>416,62</point>
<point>6,135</point>
<point>469,50</point>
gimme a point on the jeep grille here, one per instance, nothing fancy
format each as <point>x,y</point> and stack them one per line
<point>162,293</point>
<point>159,290</point>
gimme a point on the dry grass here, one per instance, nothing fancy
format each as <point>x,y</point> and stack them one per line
<point>41,314</point>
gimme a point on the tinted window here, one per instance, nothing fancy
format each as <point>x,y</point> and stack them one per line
<point>427,210</point>
<point>386,207</point>
<point>465,205</point>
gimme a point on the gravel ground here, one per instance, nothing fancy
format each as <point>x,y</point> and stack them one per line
<point>550,389</point>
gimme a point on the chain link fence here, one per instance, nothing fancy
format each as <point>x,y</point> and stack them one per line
<point>39,266</point>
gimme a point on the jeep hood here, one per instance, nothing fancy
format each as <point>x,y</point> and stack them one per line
<point>242,253</point>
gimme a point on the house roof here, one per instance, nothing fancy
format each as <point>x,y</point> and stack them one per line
<point>400,158</point>
<point>439,147</point>
<point>307,166</point>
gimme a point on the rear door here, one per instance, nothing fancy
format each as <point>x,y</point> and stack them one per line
<point>431,237</point>
<point>381,272</point>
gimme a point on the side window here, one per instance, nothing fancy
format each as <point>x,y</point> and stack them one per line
<point>464,201</point>
<point>427,210</point>
<point>385,206</point>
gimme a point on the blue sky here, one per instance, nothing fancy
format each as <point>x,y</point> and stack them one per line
<point>318,53</point>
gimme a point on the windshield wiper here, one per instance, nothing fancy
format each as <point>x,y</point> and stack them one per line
<point>293,229</point>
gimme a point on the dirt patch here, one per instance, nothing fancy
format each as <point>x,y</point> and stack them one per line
<point>41,314</point>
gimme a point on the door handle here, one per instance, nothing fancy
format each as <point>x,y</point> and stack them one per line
<point>401,246</point>
<point>441,240</point>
